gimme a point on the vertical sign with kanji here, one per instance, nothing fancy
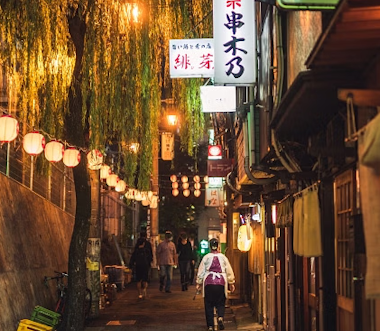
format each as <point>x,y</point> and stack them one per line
<point>234,42</point>
<point>167,146</point>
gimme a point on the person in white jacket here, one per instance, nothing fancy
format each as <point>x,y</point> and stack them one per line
<point>215,276</point>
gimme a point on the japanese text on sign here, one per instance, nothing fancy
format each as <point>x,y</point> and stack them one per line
<point>191,58</point>
<point>234,39</point>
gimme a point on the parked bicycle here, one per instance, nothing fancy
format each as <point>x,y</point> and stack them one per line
<point>62,293</point>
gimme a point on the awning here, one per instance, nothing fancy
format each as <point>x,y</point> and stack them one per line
<point>352,39</point>
<point>309,104</point>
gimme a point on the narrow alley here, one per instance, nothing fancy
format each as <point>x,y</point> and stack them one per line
<point>166,311</point>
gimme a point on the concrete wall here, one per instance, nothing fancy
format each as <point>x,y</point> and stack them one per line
<point>34,241</point>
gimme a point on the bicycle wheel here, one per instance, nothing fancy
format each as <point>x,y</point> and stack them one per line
<point>87,303</point>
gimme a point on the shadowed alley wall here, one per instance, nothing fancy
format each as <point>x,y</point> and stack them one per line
<point>34,241</point>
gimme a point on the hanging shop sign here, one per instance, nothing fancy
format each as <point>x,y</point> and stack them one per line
<point>307,4</point>
<point>167,146</point>
<point>234,41</point>
<point>212,197</point>
<point>214,152</point>
<point>219,168</point>
<point>218,99</point>
<point>191,58</point>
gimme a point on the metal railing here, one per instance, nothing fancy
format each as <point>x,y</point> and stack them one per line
<point>55,185</point>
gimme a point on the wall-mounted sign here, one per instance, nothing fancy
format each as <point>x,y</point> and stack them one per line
<point>307,4</point>
<point>218,99</point>
<point>167,146</point>
<point>215,182</point>
<point>234,41</point>
<point>214,152</point>
<point>212,197</point>
<point>191,58</point>
<point>219,168</point>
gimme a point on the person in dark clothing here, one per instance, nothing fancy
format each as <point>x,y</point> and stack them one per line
<point>140,259</point>
<point>185,259</point>
<point>194,246</point>
<point>148,246</point>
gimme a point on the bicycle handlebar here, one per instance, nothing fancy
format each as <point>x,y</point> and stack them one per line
<point>59,276</point>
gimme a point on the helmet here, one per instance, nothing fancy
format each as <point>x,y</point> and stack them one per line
<point>214,244</point>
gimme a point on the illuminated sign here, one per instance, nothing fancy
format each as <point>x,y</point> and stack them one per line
<point>218,99</point>
<point>191,58</point>
<point>214,152</point>
<point>234,41</point>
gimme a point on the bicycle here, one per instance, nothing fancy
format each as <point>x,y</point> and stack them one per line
<point>62,294</point>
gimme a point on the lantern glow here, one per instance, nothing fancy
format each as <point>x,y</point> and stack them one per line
<point>71,157</point>
<point>9,128</point>
<point>54,151</point>
<point>120,186</point>
<point>112,180</point>
<point>105,171</point>
<point>245,236</point>
<point>34,143</point>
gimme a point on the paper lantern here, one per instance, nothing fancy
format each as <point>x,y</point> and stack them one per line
<point>197,186</point>
<point>94,159</point>
<point>173,178</point>
<point>175,192</point>
<point>184,179</point>
<point>112,180</point>
<point>205,179</point>
<point>175,185</point>
<point>34,143</point>
<point>186,193</point>
<point>245,241</point>
<point>197,179</point>
<point>197,193</point>
<point>105,171</point>
<point>145,202</point>
<point>185,186</point>
<point>54,151</point>
<point>71,157</point>
<point>138,196</point>
<point>150,195</point>
<point>9,128</point>
<point>120,186</point>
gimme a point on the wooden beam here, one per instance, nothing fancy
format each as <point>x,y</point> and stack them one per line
<point>361,97</point>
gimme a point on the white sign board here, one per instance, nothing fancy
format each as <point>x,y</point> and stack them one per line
<point>218,99</point>
<point>234,41</point>
<point>191,58</point>
<point>167,146</point>
<point>212,197</point>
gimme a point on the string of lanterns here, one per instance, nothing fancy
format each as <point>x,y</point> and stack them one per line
<point>34,144</point>
<point>186,185</point>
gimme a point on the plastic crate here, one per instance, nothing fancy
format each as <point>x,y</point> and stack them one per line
<point>28,325</point>
<point>45,316</point>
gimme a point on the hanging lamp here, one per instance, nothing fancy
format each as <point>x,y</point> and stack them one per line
<point>9,128</point>
<point>71,157</point>
<point>54,151</point>
<point>34,143</point>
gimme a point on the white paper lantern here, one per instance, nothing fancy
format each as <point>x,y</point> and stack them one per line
<point>138,196</point>
<point>245,241</point>
<point>197,179</point>
<point>112,180</point>
<point>197,186</point>
<point>120,186</point>
<point>175,192</point>
<point>175,185</point>
<point>184,179</point>
<point>186,193</point>
<point>173,178</point>
<point>9,128</point>
<point>34,143</point>
<point>205,179</point>
<point>71,157</point>
<point>145,202</point>
<point>54,151</point>
<point>185,186</point>
<point>94,159</point>
<point>197,193</point>
<point>105,171</point>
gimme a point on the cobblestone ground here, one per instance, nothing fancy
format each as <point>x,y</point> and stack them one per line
<point>165,311</point>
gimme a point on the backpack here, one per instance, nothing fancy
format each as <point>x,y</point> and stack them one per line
<point>141,256</point>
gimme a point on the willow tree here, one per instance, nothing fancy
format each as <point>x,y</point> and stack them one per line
<point>88,73</point>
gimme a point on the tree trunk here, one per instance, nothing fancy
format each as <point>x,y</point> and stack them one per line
<point>74,311</point>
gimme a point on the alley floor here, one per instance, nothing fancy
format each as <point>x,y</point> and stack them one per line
<point>166,311</point>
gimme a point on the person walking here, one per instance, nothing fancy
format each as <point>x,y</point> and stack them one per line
<point>215,276</point>
<point>166,255</point>
<point>185,259</point>
<point>140,260</point>
<point>194,247</point>
<point>148,246</point>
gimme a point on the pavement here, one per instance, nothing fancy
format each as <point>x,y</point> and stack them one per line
<point>160,311</point>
